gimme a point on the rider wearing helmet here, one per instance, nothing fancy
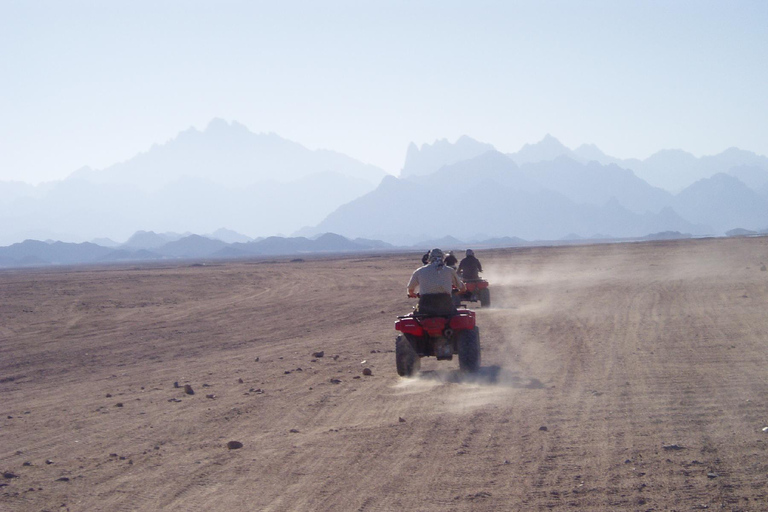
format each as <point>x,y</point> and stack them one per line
<point>470,267</point>
<point>435,281</point>
<point>450,260</point>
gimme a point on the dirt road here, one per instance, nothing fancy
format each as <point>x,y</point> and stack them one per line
<point>614,377</point>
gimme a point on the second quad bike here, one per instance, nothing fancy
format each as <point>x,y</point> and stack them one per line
<point>437,336</point>
<point>477,290</point>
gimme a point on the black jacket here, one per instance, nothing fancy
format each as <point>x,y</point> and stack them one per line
<point>470,268</point>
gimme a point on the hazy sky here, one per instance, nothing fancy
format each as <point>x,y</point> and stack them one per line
<point>95,82</point>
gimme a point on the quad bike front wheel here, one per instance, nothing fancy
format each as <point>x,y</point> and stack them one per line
<point>469,350</point>
<point>406,359</point>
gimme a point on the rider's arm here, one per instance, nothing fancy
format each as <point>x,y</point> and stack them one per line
<point>458,283</point>
<point>412,284</point>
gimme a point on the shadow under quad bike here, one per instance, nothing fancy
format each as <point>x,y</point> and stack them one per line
<point>477,290</point>
<point>437,336</point>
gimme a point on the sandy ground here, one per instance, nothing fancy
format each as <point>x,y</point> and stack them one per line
<point>614,377</point>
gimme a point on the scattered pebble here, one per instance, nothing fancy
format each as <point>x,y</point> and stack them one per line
<point>119,404</point>
<point>318,354</point>
<point>257,359</point>
<point>335,381</point>
<point>234,445</point>
<point>294,431</point>
<point>174,400</point>
<point>176,384</point>
<point>240,381</point>
<point>188,389</point>
<point>712,475</point>
<point>63,479</point>
<point>9,475</point>
<point>211,396</point>
<point>367,371</point>
<point>670,447</point>
<point>543,428</point>
<point>48,461</point>
<point>27,463</point>
<point>401,419</point>
<point>765,429</point>
<point>108,395</point>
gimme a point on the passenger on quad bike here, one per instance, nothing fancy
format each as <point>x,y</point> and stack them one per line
<point>470,267</point>
<point>451,260</point>
<point>435,282</point>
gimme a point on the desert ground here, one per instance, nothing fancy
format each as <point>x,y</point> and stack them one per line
<point>628,376</point>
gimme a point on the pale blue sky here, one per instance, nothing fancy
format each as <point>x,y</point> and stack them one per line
<point>95,82</point>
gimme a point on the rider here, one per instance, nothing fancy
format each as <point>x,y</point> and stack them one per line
<point>470,267</point>
<point>451,260</point>
<point>435,281</point>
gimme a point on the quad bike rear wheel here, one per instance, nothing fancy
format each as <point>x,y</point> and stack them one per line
<point>485,297</point>
<point>406,359</point>
<point>469,350</point>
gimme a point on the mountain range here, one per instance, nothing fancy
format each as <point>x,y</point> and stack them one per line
<point>263,185</point>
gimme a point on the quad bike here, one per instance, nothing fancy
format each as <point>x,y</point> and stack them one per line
<point>438,336</point>
<point>477,290</point>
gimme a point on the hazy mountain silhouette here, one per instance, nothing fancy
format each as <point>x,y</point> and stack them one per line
<point>258,184</point>
<point>548,148</point>
<point>431,157</point>
<point>724,203</point>
<point>228,154</point>
<point>150,240</point>
<point>675,169</point>
<point>668,169</point>
<point>491,194</point>
<point>261,184</point>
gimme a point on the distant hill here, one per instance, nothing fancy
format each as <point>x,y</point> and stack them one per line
<point>36,253</point>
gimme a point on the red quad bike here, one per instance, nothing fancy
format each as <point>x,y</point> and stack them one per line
<point>438,336</point>
<point>477,290</point>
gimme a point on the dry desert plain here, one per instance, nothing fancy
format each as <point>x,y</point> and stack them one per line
<point>627,376</point>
